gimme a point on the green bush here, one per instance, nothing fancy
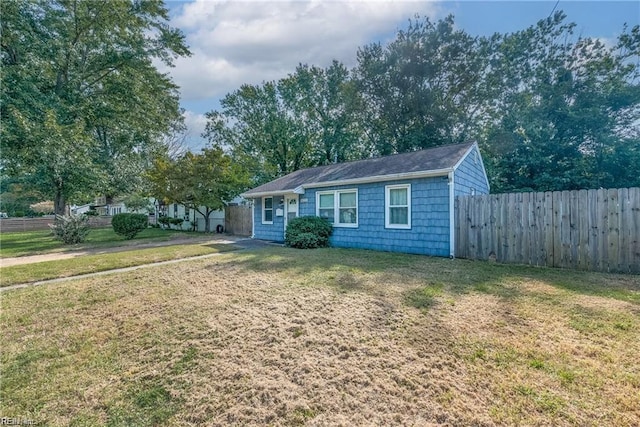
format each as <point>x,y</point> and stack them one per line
<point>70,229</point>
<point>129,224</point>
<point>164,221</point>
<point>177,222</point>
<point>307,232</point>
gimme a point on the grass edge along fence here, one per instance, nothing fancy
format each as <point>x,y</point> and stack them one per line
<point>595,230</point>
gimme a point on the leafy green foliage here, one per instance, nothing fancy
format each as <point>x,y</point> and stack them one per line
<point>203,182</point>
<point>177,222</point>
<point>308,232</point>
<point>305,119</point>
<point>129,224</point>
<point>550,110</point>
<point>71,229</point>
<point>567,115</point>
<point>423,89</point>
<point>84,106</point>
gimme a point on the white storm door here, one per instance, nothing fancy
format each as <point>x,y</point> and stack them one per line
<point>290,208</point>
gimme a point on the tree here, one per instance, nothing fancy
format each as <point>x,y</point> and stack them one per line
<point>423,89</point>
<point>83,104</point>
<point>328,105</point>
<point>203,182</point>
<point>309,118</point>
<point>567,114</point>
<point>260,131</point>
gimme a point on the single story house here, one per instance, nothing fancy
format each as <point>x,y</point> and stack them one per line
<point>399,203</point>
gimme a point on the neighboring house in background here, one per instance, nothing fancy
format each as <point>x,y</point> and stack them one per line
<point>191,217</point>
<point>108,206</point>
<point>80,209</point>
<point>398,203</point>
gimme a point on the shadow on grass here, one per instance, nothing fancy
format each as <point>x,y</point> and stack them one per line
<point>341,267</point>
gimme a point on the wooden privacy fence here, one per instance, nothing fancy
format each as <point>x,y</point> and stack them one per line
<point>237,220</point>
<point>596,230</point>
<point>15,225</point>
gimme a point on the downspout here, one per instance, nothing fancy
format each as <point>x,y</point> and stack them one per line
<point>452,232</point>
<point>253,219</point>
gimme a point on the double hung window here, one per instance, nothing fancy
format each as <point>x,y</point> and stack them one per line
<point>398,206</point>
<point>339,207</point>
<point>267,210</point>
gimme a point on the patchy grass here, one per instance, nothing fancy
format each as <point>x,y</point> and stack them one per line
<point>42,241</point>
<point>325,337</point>
<point>34,272</point>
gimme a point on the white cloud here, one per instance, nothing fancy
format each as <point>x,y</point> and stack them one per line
<point>236,42</point>
<point>195,123</point>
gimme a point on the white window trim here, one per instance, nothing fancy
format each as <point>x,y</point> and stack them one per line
<point>336,206</point>
<point>387,207</point>
<point>264,221</point>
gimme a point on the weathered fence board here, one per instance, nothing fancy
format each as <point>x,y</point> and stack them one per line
<point>595,230</point>
<point>16,225</point>
<point>238,221</point>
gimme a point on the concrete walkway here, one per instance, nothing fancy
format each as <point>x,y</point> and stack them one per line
<point>241,243</point>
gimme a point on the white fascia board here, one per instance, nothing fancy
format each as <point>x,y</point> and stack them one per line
<point>380,178</point>
<point>266,193</point>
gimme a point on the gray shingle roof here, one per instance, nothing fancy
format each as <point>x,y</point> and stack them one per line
<point>432,159</point>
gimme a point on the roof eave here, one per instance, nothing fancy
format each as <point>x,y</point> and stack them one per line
<point>380,178</point>
<point>267,193</point>
<point>354,181</point>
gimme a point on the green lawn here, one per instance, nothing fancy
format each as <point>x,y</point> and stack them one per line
<point>279,336</point>
<point>84,264</point>
<point>39,242</point>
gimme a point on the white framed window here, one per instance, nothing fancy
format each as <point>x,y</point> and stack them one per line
<point>397,206</point>
<point>339,207</point>
<point>267,210</point>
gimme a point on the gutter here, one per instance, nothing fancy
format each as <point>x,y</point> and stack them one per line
<point>353,181</point>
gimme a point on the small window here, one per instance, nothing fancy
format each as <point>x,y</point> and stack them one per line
<point>398,206</point>
<point>267,210</point>
<point>326,208</point>
<point>348,208</point>
<point>339,207</point>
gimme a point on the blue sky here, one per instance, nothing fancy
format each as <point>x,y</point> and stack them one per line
<point>236,42</point>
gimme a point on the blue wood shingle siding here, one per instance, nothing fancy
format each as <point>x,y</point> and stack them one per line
<point>273,232</point>
<point>430,231</point>
<point>470,176</point>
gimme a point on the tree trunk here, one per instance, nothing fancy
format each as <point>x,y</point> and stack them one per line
<point>59,204</point>
<point>206,221</point>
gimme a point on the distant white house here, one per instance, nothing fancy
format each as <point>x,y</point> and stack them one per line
<point>193,220</point>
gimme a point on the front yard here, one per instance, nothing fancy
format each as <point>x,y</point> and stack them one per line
<point>325,337</point>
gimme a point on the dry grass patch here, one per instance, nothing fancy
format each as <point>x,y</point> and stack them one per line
<point>325,337</point>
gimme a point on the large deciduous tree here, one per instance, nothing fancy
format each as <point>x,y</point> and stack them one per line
<point>83,104</point>
<point>424,88</point>
<point>260,131</point>
<point>309,118</point>
<point>568,111</point>
<point>203,182</point>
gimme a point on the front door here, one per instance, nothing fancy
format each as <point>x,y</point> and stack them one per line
<point>290,208</point>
